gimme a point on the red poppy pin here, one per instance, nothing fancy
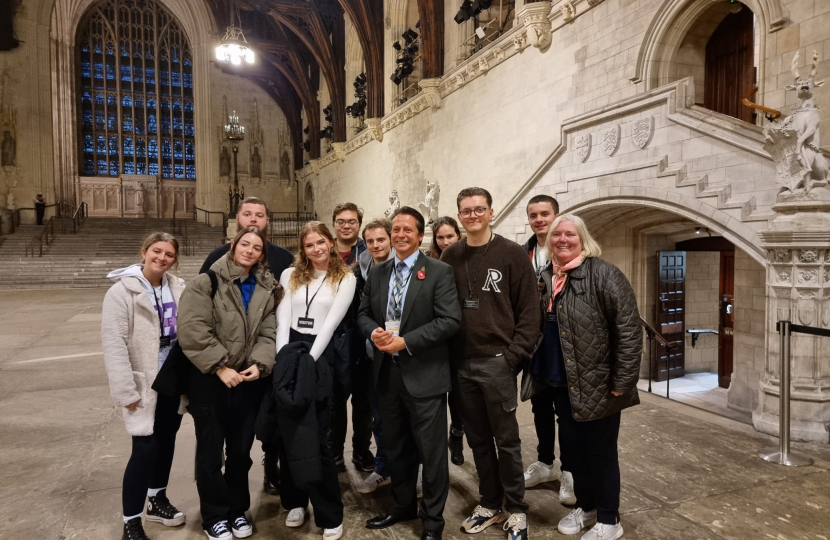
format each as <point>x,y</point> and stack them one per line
<point>422,273</point>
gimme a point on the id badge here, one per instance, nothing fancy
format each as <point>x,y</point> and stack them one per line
<point>471,303</point>
<point>394,327</point>
<point>305,322</point>
<point>164,341</point>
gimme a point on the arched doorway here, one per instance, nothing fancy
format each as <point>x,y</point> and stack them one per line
<point>308,199</point>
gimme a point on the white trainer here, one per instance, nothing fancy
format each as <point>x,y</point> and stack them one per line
<point>296,517</point>
<point>538,473</point>
<point>372,482</point>
<point>333,534</point>
<point>576,520</point>
<point>566,489</point>
<point>602,531</point>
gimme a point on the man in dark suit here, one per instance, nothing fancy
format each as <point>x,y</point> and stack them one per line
<point>409,310</point>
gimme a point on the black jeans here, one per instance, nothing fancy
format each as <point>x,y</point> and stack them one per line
<point>361,379</point>
<point>594,461</point>
<point>489,398</point>
<point>544,418</point>
<point>224,419</point>
<point>152,457</point>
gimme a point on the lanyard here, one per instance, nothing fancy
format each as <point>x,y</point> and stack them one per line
<point>396,299</point>
<point>471,285</point>
<point>309,302</point>
<point>159,309</point>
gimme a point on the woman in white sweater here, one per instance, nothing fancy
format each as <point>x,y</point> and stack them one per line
<point>319,289</point>
<point>138,331</point>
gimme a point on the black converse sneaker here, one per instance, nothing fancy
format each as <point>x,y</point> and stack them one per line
<point>219,531</point>
<point>241,527</point>
<point>133,530</point>
<point>159,509</point>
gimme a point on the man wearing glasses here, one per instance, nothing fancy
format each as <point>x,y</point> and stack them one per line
<point>347,219</point>
<point>499,330</point>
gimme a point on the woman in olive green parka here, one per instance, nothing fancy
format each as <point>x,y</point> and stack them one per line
<point>227,328</point>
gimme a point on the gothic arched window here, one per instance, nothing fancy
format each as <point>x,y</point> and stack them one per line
<point>136,91</point>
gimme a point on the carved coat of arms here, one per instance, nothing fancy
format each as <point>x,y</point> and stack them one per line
<point>641,132</point>
<point>583,146</point>
<point>781,143</point>
<point>610,140</point>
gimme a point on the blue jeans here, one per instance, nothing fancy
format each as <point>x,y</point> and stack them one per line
<point>377,429</point>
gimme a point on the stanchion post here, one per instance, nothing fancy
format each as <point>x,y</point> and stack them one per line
<point>782,455</point>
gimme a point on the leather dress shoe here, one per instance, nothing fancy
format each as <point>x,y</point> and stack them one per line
<point>386,520</point>
<point>430,535</point>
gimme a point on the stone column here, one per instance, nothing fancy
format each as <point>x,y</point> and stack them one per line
<point>797,242</point>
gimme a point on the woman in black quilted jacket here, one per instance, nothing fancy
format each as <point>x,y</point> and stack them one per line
<point>591,350</point>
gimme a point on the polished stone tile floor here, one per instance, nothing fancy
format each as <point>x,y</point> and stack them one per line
<point>686,473</point>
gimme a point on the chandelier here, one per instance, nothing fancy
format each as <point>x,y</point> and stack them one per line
<point>234,47</point>
<point>233,131</point>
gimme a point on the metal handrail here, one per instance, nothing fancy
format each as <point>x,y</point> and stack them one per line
<point>48,230</point>
<point>652,333</point>
<point>16,214</point>
<point>79,214</point>
<point>209,213</point>
<point>782,455</point>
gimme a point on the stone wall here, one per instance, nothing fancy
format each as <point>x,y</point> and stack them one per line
<point>750,315</point>
<point>702,309</point>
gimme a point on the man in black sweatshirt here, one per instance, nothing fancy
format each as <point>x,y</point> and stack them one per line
<point>499,331</point>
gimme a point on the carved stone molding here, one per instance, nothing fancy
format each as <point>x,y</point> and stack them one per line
<point>430,89</point>
<point>641,132</point>
<point>374,128</point>
<point>568,11</point>
<point>534,17</point>
<point>582,146</point>
<point>339,150</point>
<point>611,140</point>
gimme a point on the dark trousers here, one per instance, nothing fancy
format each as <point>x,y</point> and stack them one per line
<point>324,495</point>
<point>544,413</point>
<point>152,457</point>
<point>454,400</point>
<point>489,398</point>
<point>593,458</point>
<point>381,459</point>
<point>361,378</point>
<point>40,211</point>
<point>414,427</point>
<point>224,419</point>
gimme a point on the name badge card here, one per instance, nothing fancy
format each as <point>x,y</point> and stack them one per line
<point>164,341</point>
<point>394,327</point>
<point>305,322</point>
<point>470,303</point>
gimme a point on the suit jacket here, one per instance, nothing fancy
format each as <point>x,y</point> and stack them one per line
<point>431,315</point>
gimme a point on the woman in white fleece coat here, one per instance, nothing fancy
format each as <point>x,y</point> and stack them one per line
<point>138,331</point>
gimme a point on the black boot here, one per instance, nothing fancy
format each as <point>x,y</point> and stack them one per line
<point>160,509</point>
<point>456,445</point>
<point>271,482</point>
<point>133,530</point>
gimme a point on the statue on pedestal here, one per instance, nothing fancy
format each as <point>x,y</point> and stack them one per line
<point>256,164</point>
<point>394,204</point>
<point>430,205</point>
<point>793,143</point>
<point>8,150</point>
<point>224,162</point>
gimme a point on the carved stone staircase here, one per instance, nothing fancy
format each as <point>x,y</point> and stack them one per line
<point>82,260</point>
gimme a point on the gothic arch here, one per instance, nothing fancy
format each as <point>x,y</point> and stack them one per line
<point>63,17</point>
<point>672,22</point>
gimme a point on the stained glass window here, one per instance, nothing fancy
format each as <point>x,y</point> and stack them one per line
<point>136,92</point>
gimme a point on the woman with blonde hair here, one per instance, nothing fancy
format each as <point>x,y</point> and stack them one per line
<point>590,356</point>
<point>138,332</point>
<point>319,289</point>
<point>227,331</point>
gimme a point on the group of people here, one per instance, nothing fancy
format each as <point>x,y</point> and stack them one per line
<point>265,345</point>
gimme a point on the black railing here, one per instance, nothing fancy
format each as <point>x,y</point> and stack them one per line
<point>652,334</point>
<point>207,217</point>
<point>284,228</point>
<point>782,455</point>
<point>47,232</point>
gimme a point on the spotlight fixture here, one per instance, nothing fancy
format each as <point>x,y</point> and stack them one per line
<point>464,12</point>
<point>418,24</point>
<point>697,230</point>
<point>481,5</point>
<point>361,79</point>
<point>480,32</point>
<point>410,35</point>
<point>307,146</point>
<point>397,46</point>
<point>396,77</point>
<point>305,130</point>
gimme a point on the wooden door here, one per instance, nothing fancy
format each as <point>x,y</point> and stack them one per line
<point>727,317</point>
<point>730,70</point>
<point>671,278</point>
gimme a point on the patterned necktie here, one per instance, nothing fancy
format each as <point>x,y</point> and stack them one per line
<point>393,309</point>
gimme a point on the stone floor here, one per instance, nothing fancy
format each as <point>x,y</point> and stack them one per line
<point>686,473</point>
<point>699,390</point>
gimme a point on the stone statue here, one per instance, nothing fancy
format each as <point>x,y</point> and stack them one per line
<point>139,197</point>
<point>794,142</point>
<point>285,165</point>
<point>256,164</point>
<point>224,162</point>
<point>430,205</point>
<point>394,204</point>
<point>8,150</point>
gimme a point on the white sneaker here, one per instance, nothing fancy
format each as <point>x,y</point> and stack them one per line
<point>602,531</point>
<point>538,473</point>
<point>296,517</point>
<point>516,527</point>
<point>566,488</point>
<point>419,486</point>
<point>333,534</point>
<point>576,520</point>
<point>372,482</point>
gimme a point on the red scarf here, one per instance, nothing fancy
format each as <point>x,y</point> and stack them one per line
<point>560,276</point>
